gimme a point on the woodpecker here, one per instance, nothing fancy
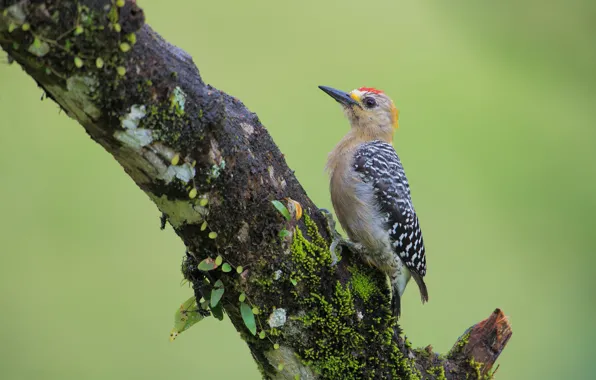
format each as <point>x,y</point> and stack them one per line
<point>370,192</point>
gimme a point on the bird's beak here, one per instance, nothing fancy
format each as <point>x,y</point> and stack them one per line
<point>342,98</point>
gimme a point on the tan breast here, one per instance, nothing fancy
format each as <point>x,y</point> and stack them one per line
<point>353,200</point>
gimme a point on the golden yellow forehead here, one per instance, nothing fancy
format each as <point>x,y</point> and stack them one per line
<point>356,95</point>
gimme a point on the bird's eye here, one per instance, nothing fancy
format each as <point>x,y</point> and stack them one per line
<point>369,102</point>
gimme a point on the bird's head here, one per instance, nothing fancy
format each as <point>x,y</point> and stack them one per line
<point>369,110</point>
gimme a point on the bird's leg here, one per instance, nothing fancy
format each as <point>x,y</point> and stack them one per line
<point>338,240</point>
<point>330,224</point>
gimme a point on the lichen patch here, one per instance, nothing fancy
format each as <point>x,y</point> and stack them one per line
<point>247,128</point>
<point>184,173</point>
<point>277,318</point>
<point>135,138</point>
<point>179,212</point>
<point>78,90</point>
<point>243,232</point>
<point>180,98</point>
<point>131,120</point>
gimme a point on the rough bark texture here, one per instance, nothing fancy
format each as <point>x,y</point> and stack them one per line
<point>213,170</point>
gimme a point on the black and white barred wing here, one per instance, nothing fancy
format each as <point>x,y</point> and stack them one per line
<point>378,164</point>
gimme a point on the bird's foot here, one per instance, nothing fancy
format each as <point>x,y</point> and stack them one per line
<point>338,240</point>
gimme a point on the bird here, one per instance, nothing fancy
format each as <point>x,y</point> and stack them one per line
<point>371,194</point>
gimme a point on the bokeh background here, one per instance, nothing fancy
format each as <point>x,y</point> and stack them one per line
<point>497,134</point>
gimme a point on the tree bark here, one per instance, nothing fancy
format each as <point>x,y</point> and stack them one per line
<point>213,171</point>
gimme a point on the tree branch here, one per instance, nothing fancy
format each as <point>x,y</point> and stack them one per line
<point>213,171</point>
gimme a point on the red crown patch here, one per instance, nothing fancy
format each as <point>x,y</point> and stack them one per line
<point>370,89</point>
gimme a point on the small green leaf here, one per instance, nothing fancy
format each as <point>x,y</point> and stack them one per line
<point>242,297</point>
<point>280,367</point>
<point>212,235</point>
<point>186,316</point>
<point>124,47</point>
<point>283,233</point>
<point>204,226</point>
<point>132,38</point>
<point>218,260</point>
<point>282,209</point>
<point>255,310</point>
<point>207,265</point>
<point>217,312</point>
<point>293,281</point>
<point>262,335</point>
<point>239,269</point>
<point>226,268</point>
<point>217,293</point>
<point>276,346</point>
<point>39,48</point>
<point>248,317</point>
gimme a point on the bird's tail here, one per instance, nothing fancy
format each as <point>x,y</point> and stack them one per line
<point>421,286</point>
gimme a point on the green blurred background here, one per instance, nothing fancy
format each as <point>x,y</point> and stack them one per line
<point>497,133</point>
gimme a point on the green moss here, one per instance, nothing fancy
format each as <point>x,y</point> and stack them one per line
<point>438,372</point>
<point>476,366</point>
<point>362,284</point>
<point>309,257</point>
<point>459,345</point>
<point>337,345</point>
<point>168,120</point>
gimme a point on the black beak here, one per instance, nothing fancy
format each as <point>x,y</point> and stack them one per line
<point>342,97</point>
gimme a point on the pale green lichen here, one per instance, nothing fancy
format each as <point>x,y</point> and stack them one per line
<point>131,120</point>
<point>184,173</point>
<point>247,128</point>
<point>217,169</point>
<point>133,136</point>
<point>179,211</point>
<point>16,14</point>
<point>293,368</point>
<point>277,318</point>
<point>79,89</point>
<point>39,48</point>
<point>277,274</point>
<point>179,98</point>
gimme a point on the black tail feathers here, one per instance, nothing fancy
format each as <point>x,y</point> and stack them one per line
<point>421,286</point>
<point>396,299</point>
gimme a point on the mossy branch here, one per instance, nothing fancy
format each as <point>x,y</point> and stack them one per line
<point>213,171</point>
